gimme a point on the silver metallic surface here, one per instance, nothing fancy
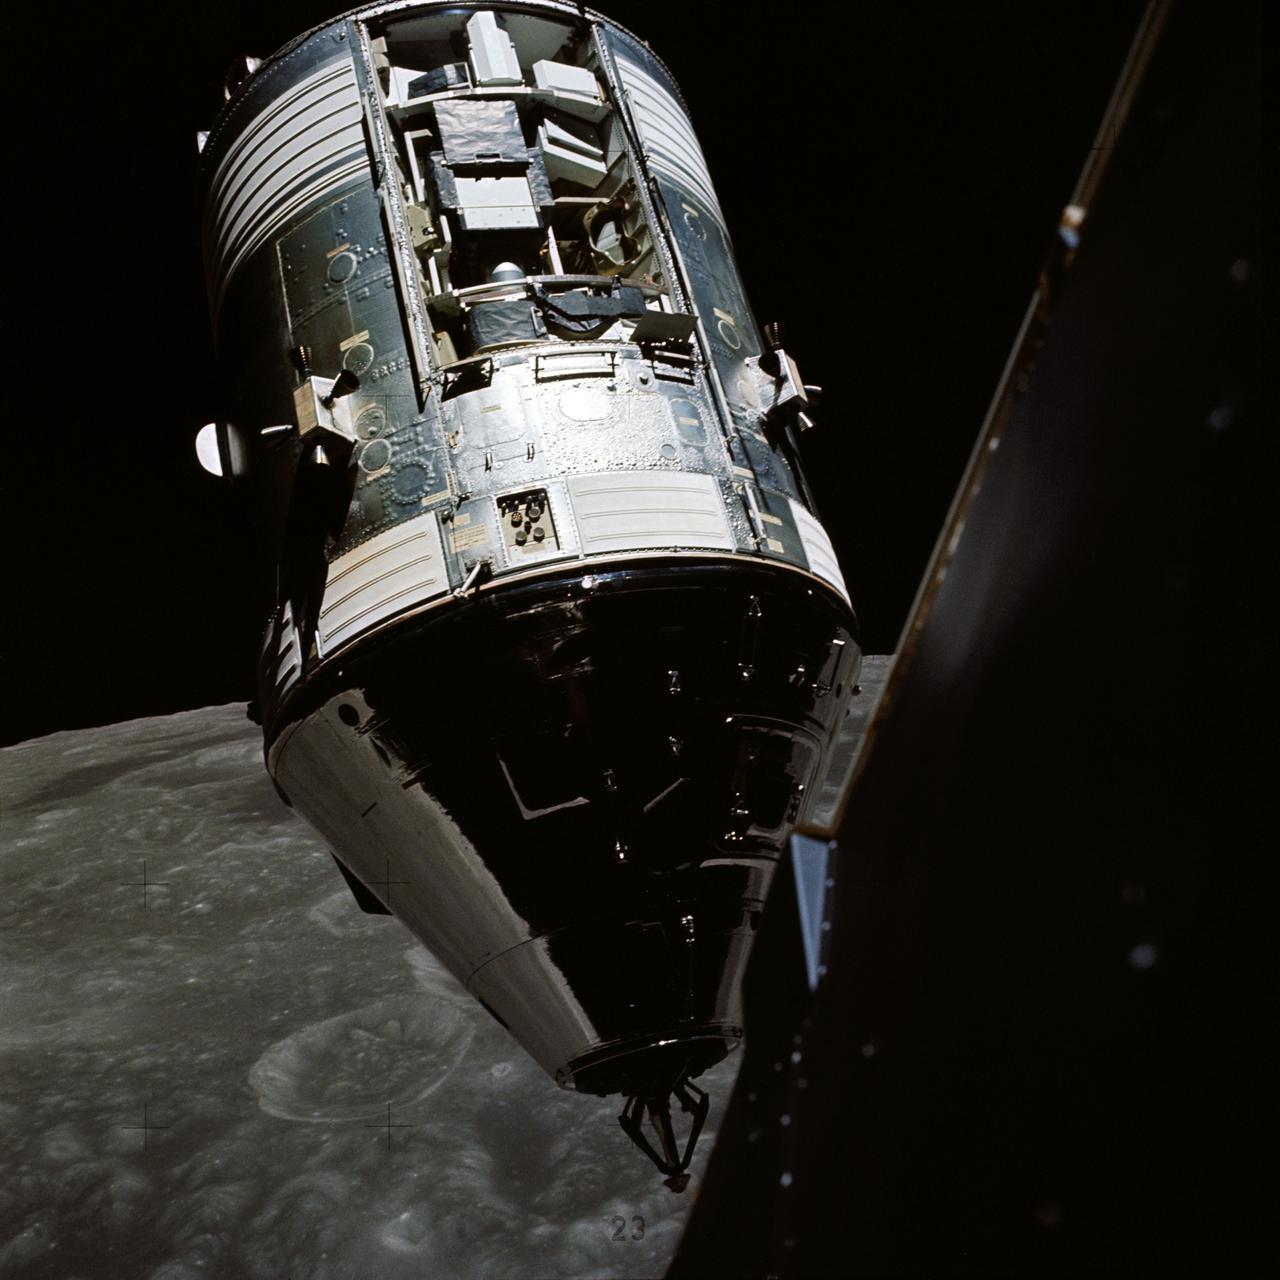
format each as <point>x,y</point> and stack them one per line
<point>557,651</point>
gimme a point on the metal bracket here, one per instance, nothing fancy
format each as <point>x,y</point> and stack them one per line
<point>466,375</point>
<point>323,414</point>
<point>575,364</point>
<point>784,397</point>
<point>671,1160</point>
<point>748,492</point>
<point>477,572</point>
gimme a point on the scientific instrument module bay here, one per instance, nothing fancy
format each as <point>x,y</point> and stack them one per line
<point>558,654</point>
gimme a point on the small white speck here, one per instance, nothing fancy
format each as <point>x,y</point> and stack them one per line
<point>785,1180</point>
<point>786,1121</point>
<point>795,1054</point>
<point>868,1050</point>
<point>1143,956</point>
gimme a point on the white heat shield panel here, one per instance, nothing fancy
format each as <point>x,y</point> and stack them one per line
<point>649,510</point>
<point>670,145</point>
<point>391,572</point>
<point>306,144</point>
<point>818,549</point>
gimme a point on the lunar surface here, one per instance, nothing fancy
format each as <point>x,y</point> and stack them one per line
<point>216,1065</point>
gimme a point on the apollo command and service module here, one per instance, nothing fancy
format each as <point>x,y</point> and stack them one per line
<point>557,654</point>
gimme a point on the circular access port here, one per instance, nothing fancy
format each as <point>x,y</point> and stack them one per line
<point>410,482</point>
<point>375,455</point>
<point>694,222</point>
<point>358,358</point>
<point>729,332</point>
<point>342,266</point>
<point>371,422</point>
<point>585,404</point>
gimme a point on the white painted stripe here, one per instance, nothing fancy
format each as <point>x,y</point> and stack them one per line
<point>398,568</point>
<point>283,106</point>
<point>309,196</point>
<point>818,549</point>
<point>274,136</point>
<point>305,144</point>
<point>656,510</point>
<point>669,140</point>
<point>289,653</point>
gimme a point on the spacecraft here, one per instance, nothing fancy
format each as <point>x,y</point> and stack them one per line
<point>557,654</point>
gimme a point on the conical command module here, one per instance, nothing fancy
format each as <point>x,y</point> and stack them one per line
<point>556,653</point>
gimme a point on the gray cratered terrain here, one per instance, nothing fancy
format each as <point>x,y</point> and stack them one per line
<point>322,1099</point>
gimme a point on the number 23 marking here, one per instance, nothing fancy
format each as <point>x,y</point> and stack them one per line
<point>620,1227</point>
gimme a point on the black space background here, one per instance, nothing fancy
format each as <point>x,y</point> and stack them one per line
<point>891,176</point>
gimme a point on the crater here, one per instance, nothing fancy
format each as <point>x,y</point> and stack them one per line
<point>398,1051</point>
